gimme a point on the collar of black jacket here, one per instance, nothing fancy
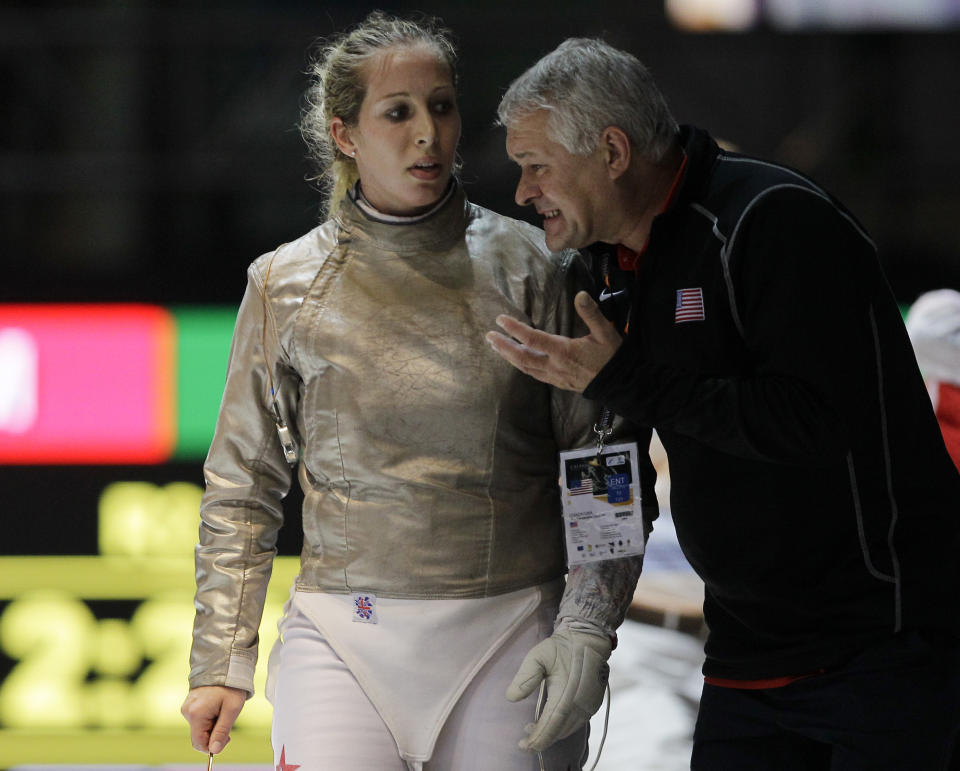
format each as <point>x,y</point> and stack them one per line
<point>702,153</point>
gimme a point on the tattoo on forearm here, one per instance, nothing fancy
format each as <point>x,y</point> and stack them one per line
<point>601,592</point>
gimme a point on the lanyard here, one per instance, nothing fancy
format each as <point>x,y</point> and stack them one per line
<point>603,427</point>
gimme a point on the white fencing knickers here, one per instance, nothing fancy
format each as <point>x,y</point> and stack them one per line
<point>424,688</point>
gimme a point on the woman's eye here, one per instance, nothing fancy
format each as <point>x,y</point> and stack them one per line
<point>442,108</point>
<point>397,113</point>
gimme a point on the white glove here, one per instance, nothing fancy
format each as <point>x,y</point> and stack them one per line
<point>574,664</point>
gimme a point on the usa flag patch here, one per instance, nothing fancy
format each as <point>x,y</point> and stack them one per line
<point>365,608</point>
<point>689,305</point>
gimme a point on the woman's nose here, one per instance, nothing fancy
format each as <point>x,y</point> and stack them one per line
<point>426,132</point>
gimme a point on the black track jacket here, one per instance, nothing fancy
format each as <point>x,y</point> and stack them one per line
<point>811,489</point>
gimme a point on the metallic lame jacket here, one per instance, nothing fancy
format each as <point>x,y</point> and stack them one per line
<point>428,464</point>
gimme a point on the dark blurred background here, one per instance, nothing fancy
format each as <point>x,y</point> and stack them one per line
<point>149,151</point>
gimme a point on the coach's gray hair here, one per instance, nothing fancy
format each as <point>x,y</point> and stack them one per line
<point>586,85</point>
<point>339,84</point>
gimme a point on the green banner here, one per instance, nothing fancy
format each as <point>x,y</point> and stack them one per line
<point>203,346</point>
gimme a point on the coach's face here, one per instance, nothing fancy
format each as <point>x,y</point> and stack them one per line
<point>567,190</point>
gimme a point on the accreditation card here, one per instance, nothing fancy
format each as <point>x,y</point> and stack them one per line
<point>602,518</point>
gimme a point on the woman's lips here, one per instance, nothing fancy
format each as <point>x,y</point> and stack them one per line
<point>426,171</point>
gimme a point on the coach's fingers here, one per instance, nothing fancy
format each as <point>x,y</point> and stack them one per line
<point>524,358</point>
<point>599,325</point>
<point>541,342</point>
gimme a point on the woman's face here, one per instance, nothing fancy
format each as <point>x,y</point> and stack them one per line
<point>405,139</point>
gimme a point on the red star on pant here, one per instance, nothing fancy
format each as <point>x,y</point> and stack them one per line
<point>283,765</point>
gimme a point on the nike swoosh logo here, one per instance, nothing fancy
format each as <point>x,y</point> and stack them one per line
<point>605,294</point>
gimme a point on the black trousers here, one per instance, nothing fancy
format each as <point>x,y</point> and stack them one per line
<point>893,707</point>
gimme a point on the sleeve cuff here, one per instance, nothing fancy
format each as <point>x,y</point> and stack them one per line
<point>615,372</point>
<point>240,673</point>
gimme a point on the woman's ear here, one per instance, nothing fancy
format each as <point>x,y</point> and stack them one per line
<point>341,135</point>
<point>616,149</point>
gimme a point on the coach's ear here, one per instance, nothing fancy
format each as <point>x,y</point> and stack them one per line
<point>615,146</point>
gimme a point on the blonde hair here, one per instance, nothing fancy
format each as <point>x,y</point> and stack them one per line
<point>338,86</point>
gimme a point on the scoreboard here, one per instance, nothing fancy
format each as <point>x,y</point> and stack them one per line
<point>106,413</point>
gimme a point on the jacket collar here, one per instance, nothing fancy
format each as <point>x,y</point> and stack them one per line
<point>437,231</point>
<point>702,153</point>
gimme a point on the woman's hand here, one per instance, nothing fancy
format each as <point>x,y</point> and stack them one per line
<point>211,711</point>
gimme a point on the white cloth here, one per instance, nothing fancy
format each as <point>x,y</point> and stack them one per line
<point>426,683</point>
<point>933,323</point>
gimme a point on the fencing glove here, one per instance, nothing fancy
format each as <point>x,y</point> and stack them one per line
<point>573,662</point>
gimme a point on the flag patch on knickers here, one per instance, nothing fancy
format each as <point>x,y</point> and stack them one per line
<point>365,608</point>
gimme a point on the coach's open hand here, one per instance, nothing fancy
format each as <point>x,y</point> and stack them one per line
<point>569,363</point>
